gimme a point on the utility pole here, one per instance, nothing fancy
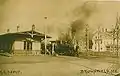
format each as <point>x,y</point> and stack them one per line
<point>45,36</point>
<point>113,49</point>
<point>98,40</point>
<point>117,34</point>
<point>117,41</point>
<point>86,35</point>
<point>117,37</point>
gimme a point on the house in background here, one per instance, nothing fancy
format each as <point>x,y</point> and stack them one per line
<point>103,41</point>
<point>26,42</point>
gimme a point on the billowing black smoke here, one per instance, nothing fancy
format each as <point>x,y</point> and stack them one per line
<point>82,13</point>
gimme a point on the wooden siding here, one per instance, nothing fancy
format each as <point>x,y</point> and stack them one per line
<point>18,45</point>
<point>36,46</point>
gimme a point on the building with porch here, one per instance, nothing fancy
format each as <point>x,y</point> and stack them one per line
<point>25,43</point>
<point>103,41</point>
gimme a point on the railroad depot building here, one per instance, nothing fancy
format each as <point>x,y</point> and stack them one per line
<point>26,42</point>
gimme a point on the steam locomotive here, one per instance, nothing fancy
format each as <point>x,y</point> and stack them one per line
<point>63,48</point>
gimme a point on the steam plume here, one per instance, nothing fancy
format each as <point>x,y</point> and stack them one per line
<point>82,13</point>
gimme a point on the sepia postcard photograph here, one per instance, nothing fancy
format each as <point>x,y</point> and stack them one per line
<point>59,37</point>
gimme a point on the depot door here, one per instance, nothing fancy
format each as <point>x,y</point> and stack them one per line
<point>27,45</point>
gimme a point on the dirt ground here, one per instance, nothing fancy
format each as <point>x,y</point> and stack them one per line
<point>52,66</point>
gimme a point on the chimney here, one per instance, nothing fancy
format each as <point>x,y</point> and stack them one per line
<point>106,30</point>
<point>103,30</point>
<point>8,30</point>
<point>33,27</point>
<point>18,28</point>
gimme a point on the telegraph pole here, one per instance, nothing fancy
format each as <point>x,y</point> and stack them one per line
<point>117,37</point>
<point>45,36</point>
<point>86,35</point>
<point>98,40</point>
<point>117,34</point>
<point>117,42</point>
<point>113,39</point>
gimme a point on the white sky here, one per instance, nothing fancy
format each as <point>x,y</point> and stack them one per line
<point>59,13</point>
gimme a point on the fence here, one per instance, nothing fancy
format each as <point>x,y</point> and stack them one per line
<point>103,54</point>
<point>26,52</point>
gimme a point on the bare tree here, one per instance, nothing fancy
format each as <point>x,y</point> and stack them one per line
<point>65,36</point>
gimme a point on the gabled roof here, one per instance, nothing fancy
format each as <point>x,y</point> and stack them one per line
<point>104,34</point>
<point>35,33</point>
<point>30,34</point>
